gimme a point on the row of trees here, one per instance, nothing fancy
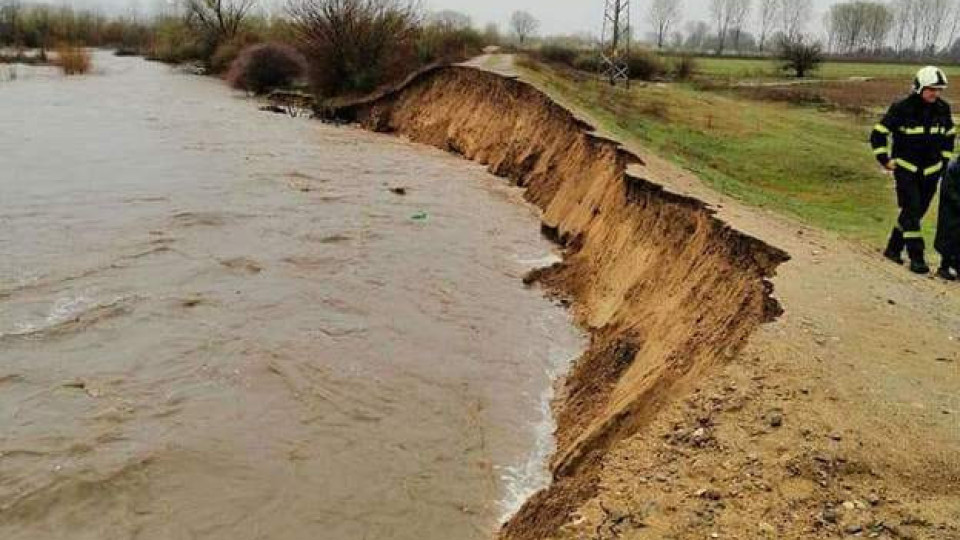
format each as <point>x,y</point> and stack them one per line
<point>34,25</point>
<point>859,27</point>
<point>349,46</point>
<point>864,27</point>
<point>41,26</point>
<point>729,23</point>
<point>921,27</point>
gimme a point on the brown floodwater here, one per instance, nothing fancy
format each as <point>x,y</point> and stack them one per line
<point>218,323</point>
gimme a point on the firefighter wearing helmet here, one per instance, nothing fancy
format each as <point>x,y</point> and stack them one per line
<point>915,140</point>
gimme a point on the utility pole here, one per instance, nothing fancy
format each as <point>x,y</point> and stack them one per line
<point>615,42</point>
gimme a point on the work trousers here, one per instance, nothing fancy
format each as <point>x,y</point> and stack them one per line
<point>915,192</point>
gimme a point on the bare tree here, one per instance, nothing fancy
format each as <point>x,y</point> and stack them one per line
<point>830,27</point>
<point>133,10</point>
<point>696,35</point>
<point>355,45</point>
<point>43,26</point>
<point>722,13</point>
<point>834,22</point>
<point>879,23</point>
<point>491,34</point>
<point>676,39</point>
<point>664,14</point>
<point>932,16</point>
<point>10,22</point>
<point>914,17</point>
<point>902,10</point>
<point>767,13</point>
<point>740,9</point>
<point>794,15</point>
<point>451,20</point>
<point>954,25</point>
<point>919,25</point>
<point>217,20</point>
<point>524,25</point>
<point>858,26</point>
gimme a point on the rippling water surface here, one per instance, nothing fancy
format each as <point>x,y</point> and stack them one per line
<point>217,323</point>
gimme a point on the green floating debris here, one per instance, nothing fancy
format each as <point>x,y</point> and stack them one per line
<point>419,216</point>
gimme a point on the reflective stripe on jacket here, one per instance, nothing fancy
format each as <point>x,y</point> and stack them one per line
<point>918,136</point>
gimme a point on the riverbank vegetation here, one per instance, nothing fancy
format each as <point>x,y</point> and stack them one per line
<point>260,68</point>
<point>43,27</point>
<point>73,60</point>
<point>351,46</point>
<point>388,40</point>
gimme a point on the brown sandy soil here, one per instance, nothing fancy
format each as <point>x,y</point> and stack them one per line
<point>687,418</point>
<point>863,370</point>
<point>841,417</point>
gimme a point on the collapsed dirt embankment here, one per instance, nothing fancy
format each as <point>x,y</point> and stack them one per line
<point>665,288</point>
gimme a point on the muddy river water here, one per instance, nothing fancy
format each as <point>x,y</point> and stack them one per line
<point>218,323</point>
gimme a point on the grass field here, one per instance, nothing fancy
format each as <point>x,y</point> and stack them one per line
<point>743,68</point>
<point>798,160</point>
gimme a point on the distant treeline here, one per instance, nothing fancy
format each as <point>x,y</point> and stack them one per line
<point>43,26</point>
<point>895,28</point>
<point>351,46</point>
<point>354,46</point>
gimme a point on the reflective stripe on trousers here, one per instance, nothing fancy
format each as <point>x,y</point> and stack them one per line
<point>929,171</point>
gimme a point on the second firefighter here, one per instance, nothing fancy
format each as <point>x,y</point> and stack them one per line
<point>915,140</point>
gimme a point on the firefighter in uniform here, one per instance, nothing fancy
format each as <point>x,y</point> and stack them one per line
<point>915,140</point>
<point>948,226</point>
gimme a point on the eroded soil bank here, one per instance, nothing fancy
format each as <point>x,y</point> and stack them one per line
<point>667,290</point>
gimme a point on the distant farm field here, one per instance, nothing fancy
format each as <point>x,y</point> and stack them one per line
<point>768,150</point>
<point>760,68</point>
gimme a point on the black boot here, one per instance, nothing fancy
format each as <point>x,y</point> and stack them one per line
<point>919,266</point>
<point>915,249</point>
<point>949,268</point>
<point>894,251</point>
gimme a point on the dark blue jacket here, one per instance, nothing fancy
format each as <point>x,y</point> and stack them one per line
<point>948,223</point>
<point>917,135</point>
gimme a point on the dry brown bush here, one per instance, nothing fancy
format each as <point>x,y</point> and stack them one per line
<point>73,60</point>
<point>354,46</point>
<point>264,67</point>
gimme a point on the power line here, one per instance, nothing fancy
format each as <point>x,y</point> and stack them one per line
<point>615,42</point>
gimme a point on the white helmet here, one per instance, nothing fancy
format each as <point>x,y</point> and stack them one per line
<point>929,77</point>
